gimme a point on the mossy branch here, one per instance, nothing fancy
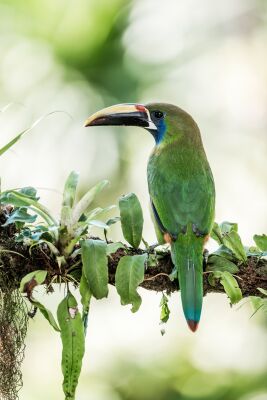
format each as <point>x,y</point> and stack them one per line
<point>19,259</point>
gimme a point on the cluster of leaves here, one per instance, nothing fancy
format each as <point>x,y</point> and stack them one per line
<point>75,253</point>
<point>84,261</point>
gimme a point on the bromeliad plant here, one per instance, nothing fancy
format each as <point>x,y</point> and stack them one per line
<point>76,258</point>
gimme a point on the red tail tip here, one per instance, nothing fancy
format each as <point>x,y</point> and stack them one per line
<point>193,325</point>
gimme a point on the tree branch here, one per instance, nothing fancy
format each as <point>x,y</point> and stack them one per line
<point>16,260</point>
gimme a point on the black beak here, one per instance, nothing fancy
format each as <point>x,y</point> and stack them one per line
<point>122,114</point>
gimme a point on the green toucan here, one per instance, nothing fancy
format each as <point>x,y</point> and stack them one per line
<point>181,189</point>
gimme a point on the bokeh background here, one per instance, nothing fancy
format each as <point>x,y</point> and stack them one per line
<point>208,57</point>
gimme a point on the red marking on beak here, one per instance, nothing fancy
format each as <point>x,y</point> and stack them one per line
<point>193,325</point>
<point>140,107</point>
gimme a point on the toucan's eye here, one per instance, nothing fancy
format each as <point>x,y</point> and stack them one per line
<point>158,114</point>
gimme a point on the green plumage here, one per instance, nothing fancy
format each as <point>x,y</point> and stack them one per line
<point>182,191</point>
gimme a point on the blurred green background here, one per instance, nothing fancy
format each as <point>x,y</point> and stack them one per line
<point>208,57</point>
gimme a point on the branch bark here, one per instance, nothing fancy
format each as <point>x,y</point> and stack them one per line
<point>16,260</point>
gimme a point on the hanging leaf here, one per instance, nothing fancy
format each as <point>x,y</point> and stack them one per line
<point>261,241</point>
<point>129,274</point>
<point>85,299</point>
<point>47,314</point>
<point>73,344</point>
<point>131,219</point>
<point>95,266</point>
<point>165,311</point>
<point>230,285</point>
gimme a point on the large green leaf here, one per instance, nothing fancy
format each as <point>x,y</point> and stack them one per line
<point>73,344</point>
<point>131,219</point>
<point>129,274</point>
<point>95,266</point>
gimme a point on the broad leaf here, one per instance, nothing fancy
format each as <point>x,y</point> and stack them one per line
<point>73,343</point>
<point>131,219</point>
<point>95,266</point>
<point>129,274</point>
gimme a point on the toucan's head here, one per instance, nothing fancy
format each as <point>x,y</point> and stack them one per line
<point>164,121</point>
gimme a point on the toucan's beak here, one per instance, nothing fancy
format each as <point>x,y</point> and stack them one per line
<point>122,114</point>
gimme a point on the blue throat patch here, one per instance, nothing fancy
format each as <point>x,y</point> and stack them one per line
<point>161,129</point>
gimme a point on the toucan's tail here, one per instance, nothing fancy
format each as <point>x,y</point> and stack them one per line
<point>187,255</point>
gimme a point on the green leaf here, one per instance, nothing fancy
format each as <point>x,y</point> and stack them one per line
<point>131,219</point>
<point>20,215</point>
<point>223,251</point>
<point>35,278</point>
<point>85,299</point>
<point>261,241</point>
<point>216,233</point>
<point>218,263</point>
<point>98,224</point>
<point>21,134</point>
<point>19,199</point>
<point>70,187</point>
<point>113,247</point>
<point>69,194</point>
<point>233,242</point>
<point>263,291</point>
<point>82,207</point>
<point>230,285</point>
<point>129,274</point>
<point>30,192</point>
<point>165,311</point>
<point>95,266</point>
<point>227,227</point>
<point>47,314</point>
<point>73,344</point>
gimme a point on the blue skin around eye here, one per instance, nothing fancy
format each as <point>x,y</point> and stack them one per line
<point>161,129</point>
